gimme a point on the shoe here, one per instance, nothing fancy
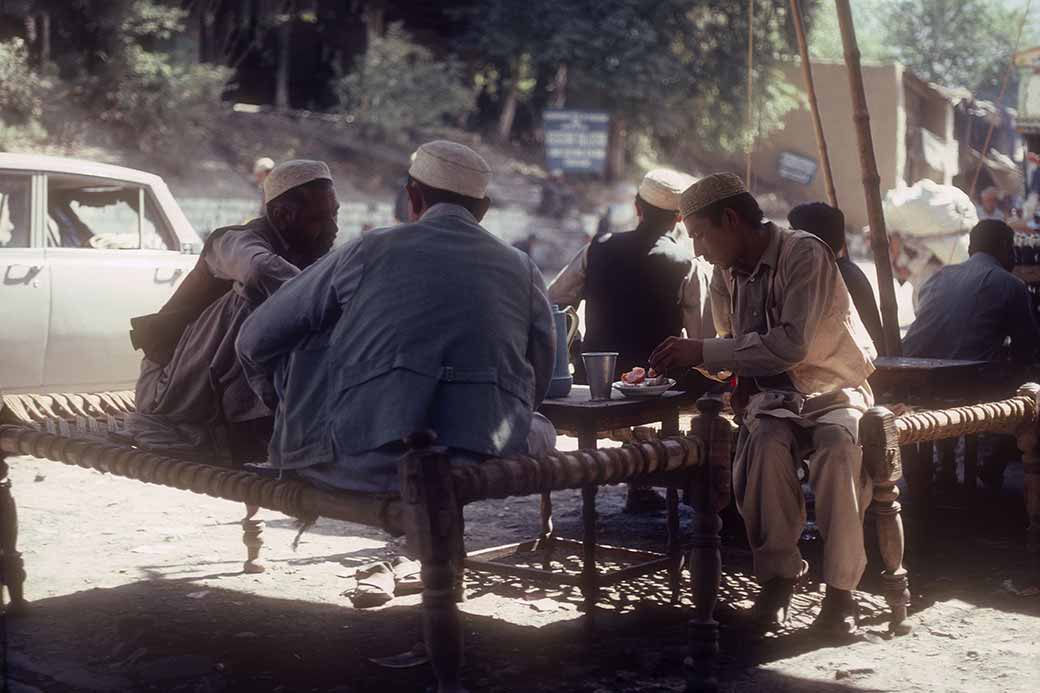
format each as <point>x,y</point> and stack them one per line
<point>642,500</point>
<point>838,615</point>
<point>774,601</point>
<point>375,585</point>
<point>407,575</point>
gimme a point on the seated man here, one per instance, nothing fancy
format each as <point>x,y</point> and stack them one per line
<point>435,325</point>
<point>191,393</point>
<point>968,311</point>
<point>787,329</point>
<point>828,223</point>
<point>640,287</point>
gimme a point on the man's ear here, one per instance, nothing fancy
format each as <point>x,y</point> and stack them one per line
<point>482,208</point>
<point>416,203</point>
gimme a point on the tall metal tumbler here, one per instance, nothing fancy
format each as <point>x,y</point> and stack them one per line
<point>599,367</point>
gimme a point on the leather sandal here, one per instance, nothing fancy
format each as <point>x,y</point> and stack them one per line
<point>375,585</point>
<point>839,615</point>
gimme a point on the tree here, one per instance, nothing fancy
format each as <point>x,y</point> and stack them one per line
<point>957,43</point>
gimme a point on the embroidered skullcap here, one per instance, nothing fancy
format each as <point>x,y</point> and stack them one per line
<point>709,190</point>
<point>451,166</point>
<point>264,163</point>
<point>292,174</point>
<point>662,188</point>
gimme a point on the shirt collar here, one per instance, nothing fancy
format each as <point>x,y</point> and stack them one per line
<point>771,256</point>
<point>446,209</point>
<point>981,258</point>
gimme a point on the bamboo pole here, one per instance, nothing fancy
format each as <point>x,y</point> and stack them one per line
<point>1000,101</point>
<point>871,182</point>
<point>814,106</point>
<point>750,146</point>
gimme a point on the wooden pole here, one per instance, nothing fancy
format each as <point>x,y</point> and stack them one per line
<point>750,146</point>
<point>871,182</point>
<point>814,106</point>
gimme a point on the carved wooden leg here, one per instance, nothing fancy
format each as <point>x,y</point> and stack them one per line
<point>1027,443</point>
<point>431,516</point>
<point>674,543</point>
<point>705,563</point>
<point>545,537</point>
<point>253,538</point>
<point>885,508</point>
<point>12,568</point>
<point>882,462</point>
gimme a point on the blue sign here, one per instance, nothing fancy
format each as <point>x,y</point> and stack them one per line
<point>576,141</point>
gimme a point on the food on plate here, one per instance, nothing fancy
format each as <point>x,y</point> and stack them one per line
<point>643,377</point>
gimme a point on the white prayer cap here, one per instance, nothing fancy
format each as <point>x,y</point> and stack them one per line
<point>662,188</point>
<point>451,166</point>
<point>708,190</point>
<point>264,163</point>
<point>292,174</point>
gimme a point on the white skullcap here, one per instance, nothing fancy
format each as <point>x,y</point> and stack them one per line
<point>264,163</point>
<point>292,174</point>
<point>451,166</point>
<point>708,190</point>
<point>662,188</point>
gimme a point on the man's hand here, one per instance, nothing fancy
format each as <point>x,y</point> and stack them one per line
<point>675,352</point>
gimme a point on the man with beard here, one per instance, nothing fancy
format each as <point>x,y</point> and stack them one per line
<point>191,394</point>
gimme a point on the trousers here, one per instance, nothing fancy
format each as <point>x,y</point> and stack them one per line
<point>769,497</point>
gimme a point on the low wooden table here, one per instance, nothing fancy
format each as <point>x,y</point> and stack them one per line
<point>577,413</point>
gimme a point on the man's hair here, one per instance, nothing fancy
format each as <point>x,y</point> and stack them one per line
<point>434,196</point>
<point>744,204</point>
<point>655,217</point>
<point>990,236</point>
<point>821,220</point>
<point>298,196</point>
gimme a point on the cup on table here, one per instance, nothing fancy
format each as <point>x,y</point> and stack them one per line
<point>599,368</point>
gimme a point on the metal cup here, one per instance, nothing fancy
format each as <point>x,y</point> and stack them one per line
<point>599,367</point>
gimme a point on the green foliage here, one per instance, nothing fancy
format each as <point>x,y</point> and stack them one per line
<point>399,86</point>
<point>21,98</point>
<point>870,20</point>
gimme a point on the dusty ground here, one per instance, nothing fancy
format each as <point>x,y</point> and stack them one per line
<point>137,587</point>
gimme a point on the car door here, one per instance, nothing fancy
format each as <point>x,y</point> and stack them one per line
<point>111,256</point>
<point>24,283</point>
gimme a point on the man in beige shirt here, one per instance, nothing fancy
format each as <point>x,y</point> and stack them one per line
<point>787,330</point>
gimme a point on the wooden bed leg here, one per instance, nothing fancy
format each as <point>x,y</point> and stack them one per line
<point>1027,443</point>
<point>431,516</point>
<point>705,560</point>
<point>589,576</point>
<point>674,543</point>
<point>881,461</point>
<point>12,568</point>
<point>253,538</point>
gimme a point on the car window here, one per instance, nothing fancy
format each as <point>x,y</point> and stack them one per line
<point>94,213</point>
<point>15,203</point>
<point>156,231</point>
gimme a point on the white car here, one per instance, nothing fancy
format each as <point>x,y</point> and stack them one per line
<point>84,247</point>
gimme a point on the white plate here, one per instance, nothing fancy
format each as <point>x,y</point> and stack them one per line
<point>643,390</point>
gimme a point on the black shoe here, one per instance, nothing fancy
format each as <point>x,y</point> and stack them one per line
<point>774,601</point>
<point>643,501</point>
<point>839,616</point>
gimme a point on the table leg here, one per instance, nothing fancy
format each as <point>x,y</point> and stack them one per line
<point>545,538</point>
<point>589,575</point>
<point>670,424</point>
<point>674,543</point>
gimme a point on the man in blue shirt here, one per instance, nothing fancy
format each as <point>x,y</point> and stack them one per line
<point>968,310</point>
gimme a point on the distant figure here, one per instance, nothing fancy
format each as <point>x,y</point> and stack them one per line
<point>828,224</point>
<point>967,310</point>
<point>989,205</point>
<point>262,167</point>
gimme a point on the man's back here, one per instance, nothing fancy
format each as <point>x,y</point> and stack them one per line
<point>862,294</point>
<point>967,310</point>
<point>632,293</point>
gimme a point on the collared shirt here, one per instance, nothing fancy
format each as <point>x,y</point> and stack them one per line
<point>967,310</point>
<point>791,315</point>
<point>568,289</point>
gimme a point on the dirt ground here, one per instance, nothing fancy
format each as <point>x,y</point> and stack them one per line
<point>139,588</point>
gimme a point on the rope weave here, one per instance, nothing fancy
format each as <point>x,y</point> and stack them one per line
<point>1005,416</point>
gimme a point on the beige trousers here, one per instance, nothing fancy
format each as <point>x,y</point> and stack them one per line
<point>769,497</point>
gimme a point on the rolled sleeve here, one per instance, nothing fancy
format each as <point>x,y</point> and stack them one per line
<point>246,258</point>
<point>695,302</point>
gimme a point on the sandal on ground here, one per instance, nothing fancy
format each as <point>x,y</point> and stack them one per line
<point>408,576</point>
<point>375,585</point>
<point>414,657</point>
<point>839,616</point>
<point>773,603</point>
